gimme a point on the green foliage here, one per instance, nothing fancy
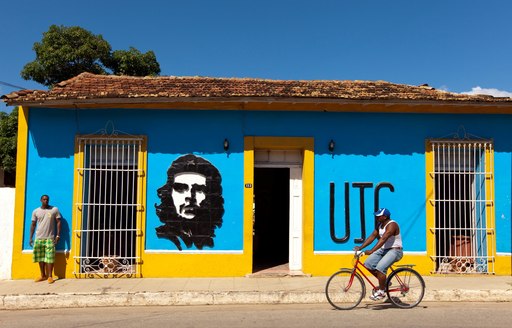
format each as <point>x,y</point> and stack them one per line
<point>8,139</point>
<point>65,52</point>
<point>134,63</point>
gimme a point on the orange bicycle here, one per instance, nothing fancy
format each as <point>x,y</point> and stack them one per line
<point>345,289</point>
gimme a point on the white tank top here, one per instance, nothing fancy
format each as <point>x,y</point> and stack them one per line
<point>393,241</point>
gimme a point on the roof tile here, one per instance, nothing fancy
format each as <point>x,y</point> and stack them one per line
<point>91,86</point>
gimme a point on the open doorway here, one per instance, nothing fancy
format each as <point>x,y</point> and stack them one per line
<point>271,218</point>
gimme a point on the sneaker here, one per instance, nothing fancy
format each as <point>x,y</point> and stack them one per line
<point>40,279</point>
<point>378,295</point>
<point>50,280</point>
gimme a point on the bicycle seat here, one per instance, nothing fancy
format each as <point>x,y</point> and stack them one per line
<point>405,265</point>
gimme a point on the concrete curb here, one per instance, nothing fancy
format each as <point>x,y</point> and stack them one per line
<point>464,295</point>
<point>76,300</point>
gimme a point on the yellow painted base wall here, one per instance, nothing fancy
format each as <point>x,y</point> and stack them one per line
<point>154,266</point>
<point>24,268</point>
<point>196,265</point>
<point>323,265</point>
<point>226,265</point>
<point>503,265</point>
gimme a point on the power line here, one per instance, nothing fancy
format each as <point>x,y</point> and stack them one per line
<point>12,85</point>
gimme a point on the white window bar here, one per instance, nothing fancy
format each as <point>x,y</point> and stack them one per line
<point>107,236</point>
<point>462,228</point>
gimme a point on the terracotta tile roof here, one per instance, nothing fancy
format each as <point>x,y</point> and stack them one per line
<point>88,86</point>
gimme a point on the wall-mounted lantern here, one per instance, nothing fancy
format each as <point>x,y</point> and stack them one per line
<point>331,145</point>
<point>226,144</point>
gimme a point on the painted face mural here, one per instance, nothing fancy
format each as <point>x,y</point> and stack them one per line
<point>192,205</point>
<point>188,193</point>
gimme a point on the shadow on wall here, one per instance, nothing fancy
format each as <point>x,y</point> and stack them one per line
<point>65,236</point>
<point>354,133</point>
<point>370,134</point>
<point>207,137</point>
<point>63,248</point>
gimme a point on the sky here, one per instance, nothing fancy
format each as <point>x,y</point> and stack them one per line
<point>461,46</point>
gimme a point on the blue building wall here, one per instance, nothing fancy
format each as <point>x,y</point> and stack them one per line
<point>370,147</point>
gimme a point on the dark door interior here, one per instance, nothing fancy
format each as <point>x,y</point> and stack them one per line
<point>453,214</point>
<point>109,222</point>
<point>271,217</point>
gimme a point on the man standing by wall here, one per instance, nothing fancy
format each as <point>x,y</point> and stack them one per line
<point>46,217</point>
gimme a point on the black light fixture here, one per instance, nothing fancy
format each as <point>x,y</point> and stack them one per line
<point>226,144</point>
<point>331,145</point>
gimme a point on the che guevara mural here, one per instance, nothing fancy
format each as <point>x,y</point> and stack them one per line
<point>191,205</point>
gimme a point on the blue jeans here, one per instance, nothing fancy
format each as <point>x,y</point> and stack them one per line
<point>382,259</point>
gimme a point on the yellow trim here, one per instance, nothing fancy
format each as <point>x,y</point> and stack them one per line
<point>489,211</point>
<point>430,205</point>
<point>141,199</point>
<point>490,208</point>
<point>24,266</point>
<point>78,199</point>
<point>248,202</point>
<point>77,211</point>
<point>281,143</point>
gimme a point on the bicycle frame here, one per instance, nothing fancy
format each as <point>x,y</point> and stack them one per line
<point>346,288</point>
<point>357,268</point>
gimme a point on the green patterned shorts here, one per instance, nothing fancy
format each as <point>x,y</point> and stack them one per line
<point>44,251</point>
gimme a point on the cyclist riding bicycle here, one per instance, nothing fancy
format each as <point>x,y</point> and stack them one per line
<point>386,251</point>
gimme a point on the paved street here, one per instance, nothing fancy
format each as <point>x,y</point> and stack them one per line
<point>428,314</point>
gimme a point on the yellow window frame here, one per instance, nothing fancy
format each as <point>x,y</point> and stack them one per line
<point>79,163</point>
<point>489,204</point>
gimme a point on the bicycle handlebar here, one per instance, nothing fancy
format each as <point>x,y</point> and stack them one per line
<point>359,253</point>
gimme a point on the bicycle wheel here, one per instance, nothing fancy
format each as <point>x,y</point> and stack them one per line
<point>345,291</point>
<point>405,288</point>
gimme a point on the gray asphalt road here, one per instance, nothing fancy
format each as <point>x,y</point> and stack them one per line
<point>251,316</point>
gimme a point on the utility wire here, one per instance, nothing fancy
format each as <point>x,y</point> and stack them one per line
<point>12,85</point>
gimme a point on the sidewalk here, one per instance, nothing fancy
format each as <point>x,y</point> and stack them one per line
<point>27,294</point>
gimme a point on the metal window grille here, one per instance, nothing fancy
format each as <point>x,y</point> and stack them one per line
<point>108,230</point>
<point>463,194</point>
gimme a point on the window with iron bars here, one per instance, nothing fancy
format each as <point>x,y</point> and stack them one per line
<point>108,206</point>
<point>463,201</point>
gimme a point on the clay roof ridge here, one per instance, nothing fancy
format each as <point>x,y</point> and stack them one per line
<point>86,75</point>
<point>93,86</point>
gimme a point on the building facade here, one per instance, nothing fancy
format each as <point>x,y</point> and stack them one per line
<point>189,177</point>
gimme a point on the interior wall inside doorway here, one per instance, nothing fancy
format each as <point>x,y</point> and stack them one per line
<point>271,217</point>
